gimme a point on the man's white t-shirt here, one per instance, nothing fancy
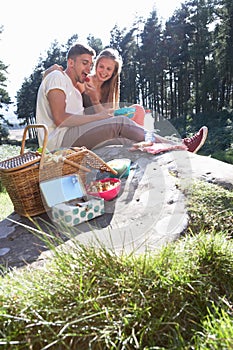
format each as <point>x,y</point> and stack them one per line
<point>74,105</point>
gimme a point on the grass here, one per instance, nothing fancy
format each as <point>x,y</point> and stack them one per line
<point>6,205</point>
<point>8,151</point>
<point>83,298</point>
<point>6,208</point>
<point>225,156</point>
<point>210,208</point>
<point>89,299</point>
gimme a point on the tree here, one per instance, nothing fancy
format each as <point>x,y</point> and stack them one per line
<point>5,100</point>
<point>95,43</point>
<point>124,43</point>
<point>116,38</point>
<point>176,43</point>
<point>151,64</point>
<point>130,75</point>
<point>224,51</point>
<point>4,96</point>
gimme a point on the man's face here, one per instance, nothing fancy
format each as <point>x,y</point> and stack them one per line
<point>81,67</point>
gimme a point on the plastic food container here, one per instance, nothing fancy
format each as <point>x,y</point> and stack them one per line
<point>66,198</point>
<point>122,166</point>
<point>125,111</point>
<point>107,188</point>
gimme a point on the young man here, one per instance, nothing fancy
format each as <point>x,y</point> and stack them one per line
<point>60,107</point>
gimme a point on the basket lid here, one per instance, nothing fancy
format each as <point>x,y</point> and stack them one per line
<point>20,161</point>
<point>62,189</point>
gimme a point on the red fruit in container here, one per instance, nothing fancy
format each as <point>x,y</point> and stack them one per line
<point>87,79</point>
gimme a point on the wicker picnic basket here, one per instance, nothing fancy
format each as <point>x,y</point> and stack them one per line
<point>22,174</point>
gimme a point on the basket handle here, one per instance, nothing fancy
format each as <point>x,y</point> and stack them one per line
<point>75,165</point>
<point>46,132</point>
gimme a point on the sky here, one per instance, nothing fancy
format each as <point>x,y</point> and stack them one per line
<point>30,26</point>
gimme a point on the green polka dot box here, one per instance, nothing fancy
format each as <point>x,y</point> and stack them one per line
<point>66,197</point>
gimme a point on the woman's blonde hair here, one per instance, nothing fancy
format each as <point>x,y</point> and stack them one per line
<point>110,90</point>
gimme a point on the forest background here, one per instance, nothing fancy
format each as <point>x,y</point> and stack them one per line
<point>182,71</point>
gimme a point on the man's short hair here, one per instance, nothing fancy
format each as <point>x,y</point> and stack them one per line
<point>80,49</point>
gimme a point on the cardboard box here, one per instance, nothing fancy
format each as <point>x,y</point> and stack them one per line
<point>69,203</point>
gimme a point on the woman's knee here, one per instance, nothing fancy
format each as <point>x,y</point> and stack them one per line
<point>139,114</point>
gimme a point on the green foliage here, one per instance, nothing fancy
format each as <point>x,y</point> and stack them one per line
<point>4,97</point>
<point>220,137</point>
<point>4,133</point>
<point>26,97</point>
<point>224,156</point>
<point>6,205</point>
<point>128,50</point>
<point>217,330</point>
<point>95,43</point>
<point>210,208</point>
<point>116,37</point>
<point>7,151</point>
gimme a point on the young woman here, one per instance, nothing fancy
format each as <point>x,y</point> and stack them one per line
<point>105,80</point>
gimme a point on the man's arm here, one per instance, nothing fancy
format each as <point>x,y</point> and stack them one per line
<point>57,102</point>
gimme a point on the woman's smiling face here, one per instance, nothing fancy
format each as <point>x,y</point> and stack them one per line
<point>105,69</point>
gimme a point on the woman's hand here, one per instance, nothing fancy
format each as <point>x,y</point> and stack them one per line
<point>90,90</point>
<point>52,68</point>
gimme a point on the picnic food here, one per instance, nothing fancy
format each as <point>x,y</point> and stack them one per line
<point>99,186</point>
<point>107,188</point>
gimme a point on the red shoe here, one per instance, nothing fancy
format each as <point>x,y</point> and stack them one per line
<point>195,142</point>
